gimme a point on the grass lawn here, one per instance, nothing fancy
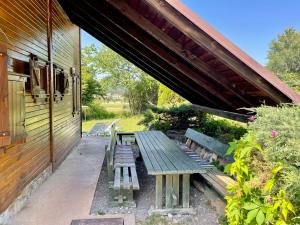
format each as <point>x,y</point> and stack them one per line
<point>116,107</point>
<point>125,124</point>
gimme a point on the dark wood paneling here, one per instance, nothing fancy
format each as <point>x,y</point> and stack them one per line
<point>23,26</point>
<point>4,107</point>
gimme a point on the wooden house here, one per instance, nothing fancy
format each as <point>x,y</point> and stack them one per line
<point>40,91</point>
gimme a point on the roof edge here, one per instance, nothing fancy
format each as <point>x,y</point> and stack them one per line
<point>235,50</point>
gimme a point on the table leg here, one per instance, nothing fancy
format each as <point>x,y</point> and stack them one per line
<point>186,190</point>
<point>175,190</point>
<point>169,191</point>
<point>158,192</point>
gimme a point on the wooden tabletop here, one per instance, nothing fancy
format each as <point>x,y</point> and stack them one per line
<point>163,156</point>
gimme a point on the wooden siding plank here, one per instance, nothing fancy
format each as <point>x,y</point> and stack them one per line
<point>25,25</point>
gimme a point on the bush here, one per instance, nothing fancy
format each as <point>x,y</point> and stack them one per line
<point>267,169</point>
<point>278,130</point>
<point>173,118</point>
<point>96,111</point>
<point>254,198</point>
<point>185,116</point>
<point>221,129</point>
<point>168,97</point>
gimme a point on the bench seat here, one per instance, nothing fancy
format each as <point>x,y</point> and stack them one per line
<point>126,178</point>
<point>121,169</point>
<point>215,178</point>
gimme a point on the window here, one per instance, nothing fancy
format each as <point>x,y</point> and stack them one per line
<point>38,82</point>
<point>75,91</point>
<point>61,83</point>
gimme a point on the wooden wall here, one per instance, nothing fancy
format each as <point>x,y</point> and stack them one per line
<point>66,55</point>
<point>23,26</point>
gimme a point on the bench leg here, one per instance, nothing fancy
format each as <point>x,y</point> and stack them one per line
<point>158,192</point>
<point>186,190</point>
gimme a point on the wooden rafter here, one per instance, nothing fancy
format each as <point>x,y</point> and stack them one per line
<point>176,48</point>
<point>150,56</point>
<point>193,32</point>
<point>132,56</point>
<point>153,49</point>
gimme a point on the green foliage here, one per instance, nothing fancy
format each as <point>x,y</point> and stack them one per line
<point>251,203</point>
<point>91,87</point>
<point>217,164</point>
<point>118,73</point>
<point>278,130</point>
<point>284,53</point>
<point>168,97</point>
<point>284,57</point>
<point>292,79</point>
<point>96,111</point>
<point>175,117</point>
<point>221,129</point>
<point>185,116</point>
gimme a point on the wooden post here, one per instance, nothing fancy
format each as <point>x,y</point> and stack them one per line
<point>169,191</point>
<point>186,190</point>
<point>158,192</point>
<point>51,88</point>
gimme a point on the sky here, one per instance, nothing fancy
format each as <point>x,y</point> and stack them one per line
<point>249,24</point>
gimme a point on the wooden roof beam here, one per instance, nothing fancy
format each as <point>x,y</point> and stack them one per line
<point>148,44</point>
<point>193,32</point>
<point>150,28</point>
<point>225,114</point>
<point>135,58</point>
<point>105,24</point>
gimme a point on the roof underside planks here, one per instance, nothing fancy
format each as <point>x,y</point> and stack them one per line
<point>175,46</point>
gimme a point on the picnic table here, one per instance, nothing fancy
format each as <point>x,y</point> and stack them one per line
<point>164,159</point>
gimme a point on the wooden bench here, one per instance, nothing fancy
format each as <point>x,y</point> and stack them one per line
<point>213,176</point>
<point>121,169</point>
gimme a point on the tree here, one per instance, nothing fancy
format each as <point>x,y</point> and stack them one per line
<point>91,87</point>
<point>168,97</point>
<point>284,57</point>
<point>117,72</point>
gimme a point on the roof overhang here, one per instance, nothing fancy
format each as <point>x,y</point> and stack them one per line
<point>172,44</point>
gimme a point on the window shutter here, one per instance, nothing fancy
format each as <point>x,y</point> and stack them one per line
<point>38,77</point>
<point>5,138</point>
<point>75,91</point>
<point>17,107</point>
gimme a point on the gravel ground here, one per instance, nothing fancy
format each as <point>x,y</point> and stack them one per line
<point>145,199</point>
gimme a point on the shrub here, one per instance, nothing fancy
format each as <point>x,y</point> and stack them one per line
<point>185,116</point>
<point>176,117</point>
<point>267,169</point>
<point>278,130</point>
<point>254,199</point>
<point>96,111</point>
<point>168,97</point>
<point>221,129</point>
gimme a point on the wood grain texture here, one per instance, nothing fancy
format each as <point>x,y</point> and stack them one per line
<point>24,32</point>
<point>207,142</point>
<point>162,156</point>
<point>5,137</point>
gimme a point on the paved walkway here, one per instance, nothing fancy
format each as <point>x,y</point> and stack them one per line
<point>68,193</point>
<point>98,129</point>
